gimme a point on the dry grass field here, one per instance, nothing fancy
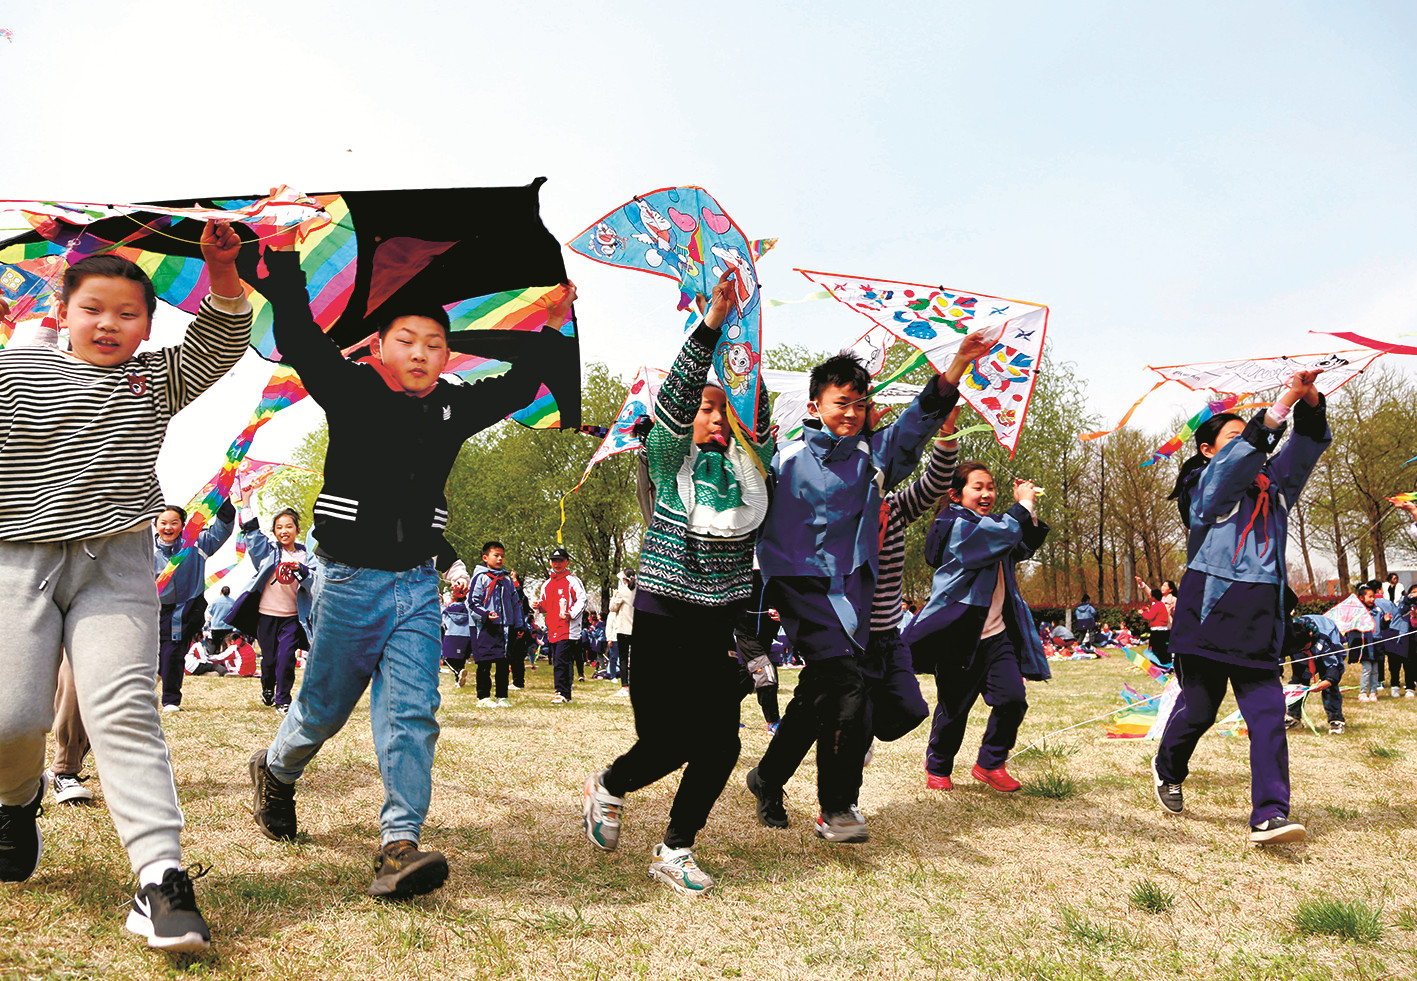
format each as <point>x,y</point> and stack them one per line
<point>1091,882</point>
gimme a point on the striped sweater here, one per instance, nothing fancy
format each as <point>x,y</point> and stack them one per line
<point>903,507</point>
<point>78,442</point>
<point>674,562</point>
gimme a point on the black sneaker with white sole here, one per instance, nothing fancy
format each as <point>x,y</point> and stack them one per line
<point>166,914</point>
<point>771,811</point>
<point>1277,831</point>
<point>1168,795</point>
<point>21,842</point>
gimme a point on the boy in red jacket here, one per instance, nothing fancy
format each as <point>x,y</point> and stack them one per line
<point>562,601</point>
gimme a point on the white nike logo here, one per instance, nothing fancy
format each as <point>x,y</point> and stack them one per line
<point>142,906</point>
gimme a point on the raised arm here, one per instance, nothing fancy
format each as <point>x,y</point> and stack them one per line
<point>217,338</point>
<point>214,535</point>
<point>302,344</point>
<point>927,489</point>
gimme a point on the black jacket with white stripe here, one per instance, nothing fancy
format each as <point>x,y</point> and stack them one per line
<point>390,453</point>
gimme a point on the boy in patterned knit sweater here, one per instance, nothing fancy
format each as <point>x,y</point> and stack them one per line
<point>819,553</point>
<point>80,433</point>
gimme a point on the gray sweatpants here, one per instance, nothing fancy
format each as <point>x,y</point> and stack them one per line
<point>95,599</point>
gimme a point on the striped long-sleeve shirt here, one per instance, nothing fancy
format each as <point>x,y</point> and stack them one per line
<point>903,507</point>
<point>79,442</point>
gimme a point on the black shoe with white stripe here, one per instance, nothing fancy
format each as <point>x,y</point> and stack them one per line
<point>1168,795</point>
<point>21,842</point>
<point>1277,831</point>
<point>166,913</point>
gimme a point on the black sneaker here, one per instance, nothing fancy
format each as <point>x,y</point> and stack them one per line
<point>402,870</point>
<point>771,812</point>
<point>1168,795</point>
<point>268,696</point>
<point>1291,721</point>
<point>21,842</point>
<point>167,915</point>
<point>1276,831</point>
<point>274,804</point>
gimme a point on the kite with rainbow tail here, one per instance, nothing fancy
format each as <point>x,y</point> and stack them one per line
<point>1214,408</point>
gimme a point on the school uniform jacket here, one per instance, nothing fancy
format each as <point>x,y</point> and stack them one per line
<point>969,549</point>
<point>265,554</point>
<point>1230,604</point>
<point>570,589</point>
<point>184,591</point>
<point>493,592</point>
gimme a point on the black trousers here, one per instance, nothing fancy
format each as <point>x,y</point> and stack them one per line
<point>484,677</point>
<point>277,637</point>
<point>622,642</point>
<point>685,702</point>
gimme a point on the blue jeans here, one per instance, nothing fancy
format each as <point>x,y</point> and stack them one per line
<point>371,625</point>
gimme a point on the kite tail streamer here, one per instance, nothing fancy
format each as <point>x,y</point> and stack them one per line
<point>283,389</point>
<point>1126,418</point>
<point>1164,451</point>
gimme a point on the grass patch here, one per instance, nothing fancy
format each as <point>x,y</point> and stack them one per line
<point>1046,752</point>
<point>1081,928</point>
<point>1384,754</point>
<point>1342,813</point>
<point>1053,785</point>
<point>1149,897</point>
<point>1347,919</point>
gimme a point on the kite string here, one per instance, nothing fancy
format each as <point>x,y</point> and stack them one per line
<point>1152,698</point>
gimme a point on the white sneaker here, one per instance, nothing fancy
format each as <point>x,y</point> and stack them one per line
<point>600,814</point>
<point>676,868</point>
<point>171,708</point>
<point>503,703</point>
<point>69,789</point>
<point>559,700</point>
<point>1409,693</point>
<point>514,688</point>
<point>487,703</point>
<point>622,693</point>
<point>1396,692</point>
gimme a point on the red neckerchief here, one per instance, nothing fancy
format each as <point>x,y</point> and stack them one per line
<point>389,379</point>
<point>1261,511</point>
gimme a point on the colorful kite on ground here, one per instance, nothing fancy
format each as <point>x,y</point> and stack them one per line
<point>682,233</point>
<point>1146,715</point>
<point>935,319</point>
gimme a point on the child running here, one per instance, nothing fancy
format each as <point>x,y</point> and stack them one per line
<point>976,632</point>
<point>495,608</point>
<point>80,432</point>
<point>395,430</point>
<point>275,607</point>
<point>894,705</point>
<point>696,574</point>
<point>184,607</point>
<point>1229,628</point>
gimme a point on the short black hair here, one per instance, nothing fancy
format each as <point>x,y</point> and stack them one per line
<point>226,590</point>
<point>1366,587</point>
<point>491,545</point>
<point>113,266</point>
<point>1155,593</point>
<point>430,311</point>
<point>181,511</point>
<point>844,370</point>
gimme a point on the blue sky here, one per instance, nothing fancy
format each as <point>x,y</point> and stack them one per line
<point>1178,183</point>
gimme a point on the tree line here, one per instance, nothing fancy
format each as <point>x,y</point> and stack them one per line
<point>1110,518</point>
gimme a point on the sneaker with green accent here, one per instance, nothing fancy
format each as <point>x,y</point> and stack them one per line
<point>504,703</point>
<point>600,814</point>
<point>487,703</point>
<point>676,868</point>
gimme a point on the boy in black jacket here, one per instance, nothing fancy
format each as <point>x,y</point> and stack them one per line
<point>395,428</point>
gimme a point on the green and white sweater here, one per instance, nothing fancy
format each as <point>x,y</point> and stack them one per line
<point>707,506</point>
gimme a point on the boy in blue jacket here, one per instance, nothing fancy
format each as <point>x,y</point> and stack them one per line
<point>819,554</point>
<point>495,607</point>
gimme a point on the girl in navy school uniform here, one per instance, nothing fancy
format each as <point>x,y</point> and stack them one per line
<point>976,632</point>
<point>275,606</point>
<point>1234,499</point>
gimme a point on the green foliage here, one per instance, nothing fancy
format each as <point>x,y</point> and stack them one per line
<point>1350,919</point>
<point>1046,752</point>
<point>1052,785</point>
<point>1081,928</point>
<point>1149,897</point>
<point>1383,754</point>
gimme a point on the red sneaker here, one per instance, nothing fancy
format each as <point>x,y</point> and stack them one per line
<point>936,782</point>
<point>998,779</point>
